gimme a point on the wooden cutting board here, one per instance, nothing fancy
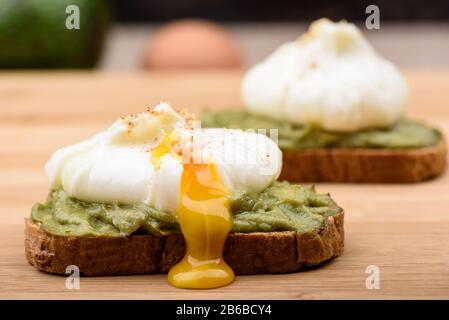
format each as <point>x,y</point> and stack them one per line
<point>401,229</point>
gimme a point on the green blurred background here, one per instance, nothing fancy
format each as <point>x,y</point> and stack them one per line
<point>114,34</point>
<point>33,33</point>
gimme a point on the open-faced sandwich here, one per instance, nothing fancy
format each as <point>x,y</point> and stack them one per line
<point>339,111</point>
<point>127,201</point>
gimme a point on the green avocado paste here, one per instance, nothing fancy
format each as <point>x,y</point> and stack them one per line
<point>280,207</point>
<point>403,134</point>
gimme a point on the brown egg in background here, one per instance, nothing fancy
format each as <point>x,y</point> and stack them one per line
<point>192,44</point>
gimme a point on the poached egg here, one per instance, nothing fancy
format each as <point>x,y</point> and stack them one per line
<point>160,158</point>
<point>331,77</point>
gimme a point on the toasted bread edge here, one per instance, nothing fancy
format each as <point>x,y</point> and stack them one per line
<point>246,253</point>
<point>364,165</point>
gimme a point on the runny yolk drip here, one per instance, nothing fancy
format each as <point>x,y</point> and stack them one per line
<point>205,221</point>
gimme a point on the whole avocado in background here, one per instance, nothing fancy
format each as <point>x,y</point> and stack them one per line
<point>33,33</point>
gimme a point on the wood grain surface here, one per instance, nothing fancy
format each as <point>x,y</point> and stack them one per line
<point>402,229</point>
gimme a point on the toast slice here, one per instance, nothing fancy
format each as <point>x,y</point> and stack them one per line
<point>246,253</point>
<point>364,165</point>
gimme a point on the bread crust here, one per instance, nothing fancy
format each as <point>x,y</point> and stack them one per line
<point>246,253</point>
<point>364,165</point>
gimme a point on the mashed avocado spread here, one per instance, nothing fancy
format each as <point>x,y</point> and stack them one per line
<point>403,134</point>
<point>281,206</point>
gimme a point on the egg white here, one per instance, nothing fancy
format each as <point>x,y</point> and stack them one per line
<point>111,167</point>
<point>330,77</point>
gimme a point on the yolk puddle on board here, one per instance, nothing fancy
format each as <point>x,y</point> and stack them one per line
<point>205,221</point>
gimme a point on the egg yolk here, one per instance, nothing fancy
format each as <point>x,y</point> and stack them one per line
<point>162,149</point>
<point>205,221</point>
